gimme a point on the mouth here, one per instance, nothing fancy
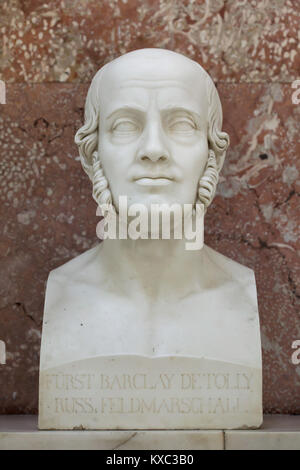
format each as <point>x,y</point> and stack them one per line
<point>153,181</point>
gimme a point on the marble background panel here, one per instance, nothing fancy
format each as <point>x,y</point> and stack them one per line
<point>48,53</point>
<point>68,40</point>
<point>48,216</point>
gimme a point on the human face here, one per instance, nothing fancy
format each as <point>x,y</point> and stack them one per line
<point>153,131</point>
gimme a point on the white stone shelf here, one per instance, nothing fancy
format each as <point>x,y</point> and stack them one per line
<point>278,432</point>
<point>20,432</point>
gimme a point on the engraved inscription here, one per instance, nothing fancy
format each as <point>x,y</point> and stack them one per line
<point>168,392</point>
<point>180,393</point>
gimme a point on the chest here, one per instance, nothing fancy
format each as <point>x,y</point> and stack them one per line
<point>220,323</point>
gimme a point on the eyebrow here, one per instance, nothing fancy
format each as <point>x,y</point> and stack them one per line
<point>134,108</point>
<point>139,109</point>
<point>181,109</point>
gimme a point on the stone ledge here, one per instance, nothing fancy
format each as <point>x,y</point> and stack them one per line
<point>19,432</point>
<point>278,432</point>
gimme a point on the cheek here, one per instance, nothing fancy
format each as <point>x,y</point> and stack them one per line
<point>114,159</point>
<point>195,158</point>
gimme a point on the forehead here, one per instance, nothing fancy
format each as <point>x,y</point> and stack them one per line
<point>169,81</point>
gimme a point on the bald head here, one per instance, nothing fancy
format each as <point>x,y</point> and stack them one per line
<point>151,78</point>
<point>153,68</point>
<point>154,64</point>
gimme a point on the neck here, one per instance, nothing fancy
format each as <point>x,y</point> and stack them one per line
<point>152,268</point>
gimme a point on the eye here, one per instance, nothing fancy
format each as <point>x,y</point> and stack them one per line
<point>182,126</point>
<point>125,126</point>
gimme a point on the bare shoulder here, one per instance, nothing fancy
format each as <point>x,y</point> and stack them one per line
<point>235,284</point>
<point>228,268</point>
<point>77,270</point>
<point>72,280</point>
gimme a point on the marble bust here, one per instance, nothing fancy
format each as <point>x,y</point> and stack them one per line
<point>152,132</point>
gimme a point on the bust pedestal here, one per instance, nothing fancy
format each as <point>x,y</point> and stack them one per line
<point>97,371</point>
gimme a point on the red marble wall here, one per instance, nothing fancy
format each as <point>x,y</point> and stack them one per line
<point>49,52</point>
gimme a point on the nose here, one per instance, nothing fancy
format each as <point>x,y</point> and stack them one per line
<point>153,146</point>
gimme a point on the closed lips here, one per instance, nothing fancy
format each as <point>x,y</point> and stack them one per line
<point>153,177</point>
<point>153,180</point>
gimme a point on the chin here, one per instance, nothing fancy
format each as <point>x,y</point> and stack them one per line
<point>150,199</point>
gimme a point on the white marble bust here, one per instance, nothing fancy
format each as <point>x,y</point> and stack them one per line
<point>152,132</point>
